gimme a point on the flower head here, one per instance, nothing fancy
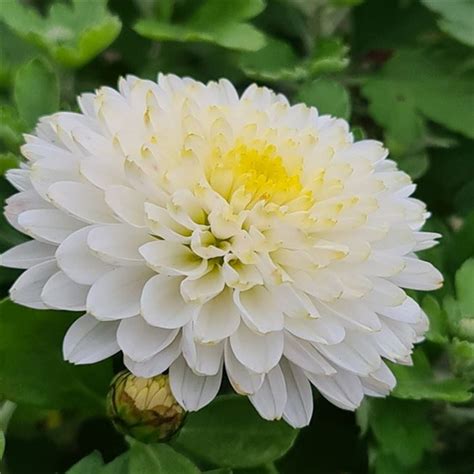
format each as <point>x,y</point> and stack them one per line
<point>204,232</point>
<point>144,408</point>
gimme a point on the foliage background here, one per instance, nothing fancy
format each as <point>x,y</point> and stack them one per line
<point>401,71</point>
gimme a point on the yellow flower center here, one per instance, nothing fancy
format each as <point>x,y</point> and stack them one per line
<point>259,171</point>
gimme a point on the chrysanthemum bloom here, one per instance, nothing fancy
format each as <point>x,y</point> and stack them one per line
<point>201,231</point>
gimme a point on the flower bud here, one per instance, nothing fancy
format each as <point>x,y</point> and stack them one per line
<point>144,408</point>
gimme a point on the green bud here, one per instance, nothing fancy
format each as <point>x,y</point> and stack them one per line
<point>144,408</point>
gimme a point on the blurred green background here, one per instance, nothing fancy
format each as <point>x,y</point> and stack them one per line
<point>400,71</point>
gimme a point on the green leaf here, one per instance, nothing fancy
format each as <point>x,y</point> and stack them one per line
<point>359,134</point>
<point>346,3</point>
<point>36,91</point>
<point>328,96</point>
<point>330,55</point>
<point>13,52</point>
<point>461,311</point>
<point>278,62</point>
<point>7,409</point>
<point>465,287</point>
<point>230,433</point>
<point>2,444</point>
<point>221,22</point>
<point>91,464</point>
<point>377,37</point>
<point>464,198</point>
<point>415,164</point>
<point>462,358</point>
<point>118,466</point>
<point>267,469</point>
<point>418,382</point>
<point>460,246</point>
<point>386,463</point>
<point>158,459</point>
<point>32,370</point>
<point>11,128</point>
<point>456,18</point>
<point>362,416</point>
<point>438,331</point>
<point>401,428</point>
<point>274,62</point>
<point>412,87</point>
<point>8,160</point>
<point>460,326</point>
<point>438,191</point>
<point>72,34</point>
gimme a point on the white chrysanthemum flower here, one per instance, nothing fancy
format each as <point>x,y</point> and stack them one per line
<point>201,231</point>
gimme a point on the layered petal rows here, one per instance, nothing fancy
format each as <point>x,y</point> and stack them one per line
<point>205,233</point>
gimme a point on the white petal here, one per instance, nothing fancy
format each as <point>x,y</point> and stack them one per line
<point>324,330</point>
<point>418,275</point>
<point>238,275</point>
<point>88,341</point>
<point>390,346</point>
<point>260,309</point>
<point>365,347</point>
<point>299,406</point>
<point>116,295</point>
<point>25,201</point>
<point>359,315</point>
<point>384,293</point>
<point>27,254</point>
<point>140,341</point>
<point>306,356</point>
<point>258,352</point>
<point>190,390</point>
<point>421,326</point>
<point>52,169</point>
<point>270,399</point>
<point>127,204</point>
<point>342,389</point>
<point>156,364</point>
<point>382,264</point>
<point>118,244</point>
<point>425,240</point>
<point>82,201</point>
<point>202,244</point>
<point>186,209</point>
<point>19,179</point>
<point>323,285</point>
<point>173,258</point>
<point>162,304</point>
<point>203,288</point>
<point>62,293</point>
<point>243,380</point>
<point>408,312</point>
<point>204,359</point>
<point>163,225</point>
<point>348,358</point>
<point>146,183</point>
<point>48,225</point>
<point>380,382</point>
<point>101,172</point>
<point>77,261</point>
<point>217,319</point>
<point>27,288</point>
<point>294,303</point>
